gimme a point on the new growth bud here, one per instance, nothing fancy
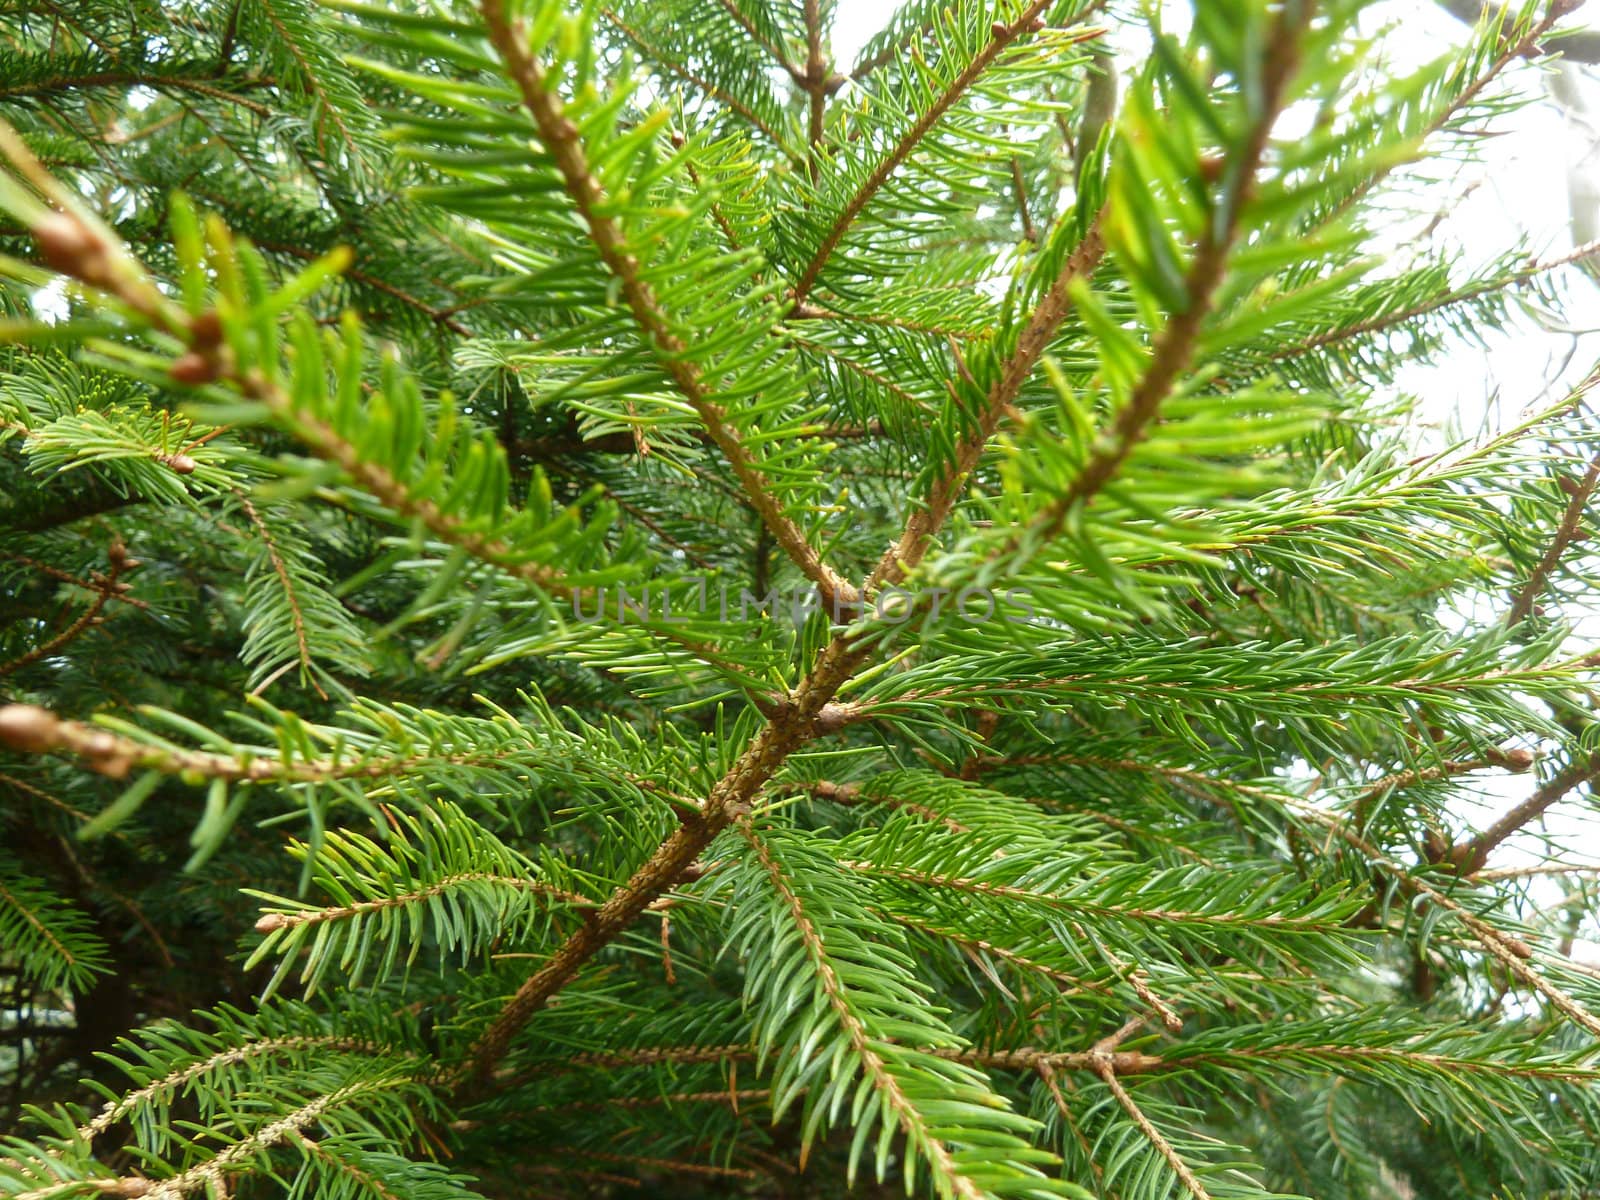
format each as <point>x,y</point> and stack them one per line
<point>72,248</point>
<point>28,728</point>
<point>206,330</point>
<point>193,369</point>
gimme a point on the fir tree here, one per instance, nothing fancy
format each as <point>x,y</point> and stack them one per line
<point>599,602</point>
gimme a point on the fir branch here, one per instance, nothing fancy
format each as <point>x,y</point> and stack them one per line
<point>974,946</point>
<point>176,1081</point>
<point>287,582</point>
<point>1511,952</point>
<point>891,51</point>
<point>721,95</point>
<point>1580,46</point>
<point>851,795</point>
<point>34,730</point>
<point>1181,1169</point>
<point>564,143</point>
<point>213,1173</point>
<point>1175,346</point>
<point>1001,891</point>
<point>1516,760</point>
<point>1356,1056</point>
<point>46,939</point>
<point>969,930</point>
<point>1511,50</point>
<point>732,8</point>
<point>949,1179</point>
<point>153,80</point>
<point>367,1180</point>
<point>1445,299</point>
<point>934,509</point>
<point>274,921</point>
<point>790,726</point>
<point>57,573</point>
<point>813,312</point>
<point>325,442</point>
<point>308,74</point>
<point>1003,34</point>
<point>442,317</point>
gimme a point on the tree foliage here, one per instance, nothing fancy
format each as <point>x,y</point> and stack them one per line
<point>596,599</point>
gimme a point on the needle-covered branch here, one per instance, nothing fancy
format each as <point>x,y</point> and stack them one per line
<point>564,142</point>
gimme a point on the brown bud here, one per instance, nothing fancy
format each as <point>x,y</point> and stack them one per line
<point>64,243</point>
<point>1211,166</point>
<point>271,922</point>
<point>1518,760</point>
<point>181,464</point>
<point>1000,31</point>
<point>1437,848</point>
<point>831,718</point>
<point>206,329</point>
<point>193,369</point>
<point>28,728</point>
<point>1517,946</point>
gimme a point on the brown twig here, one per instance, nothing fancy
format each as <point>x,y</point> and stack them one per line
<point>734,104</point>
<point>1470,857</point>
<point>1004,34</point>
<point>1566,533</point>
<point>1019,190</point>
<point>105,587</point>
<point>438,316</point>
<point>272,922</point>
<point>1511,952</point>
<point>1104,1067</point>
<point>815,82</point>
<point>33,730</point>
<point>57,573</point>
<point>290,594</point>
<point>1455,296</point>
<point>760,39</point>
